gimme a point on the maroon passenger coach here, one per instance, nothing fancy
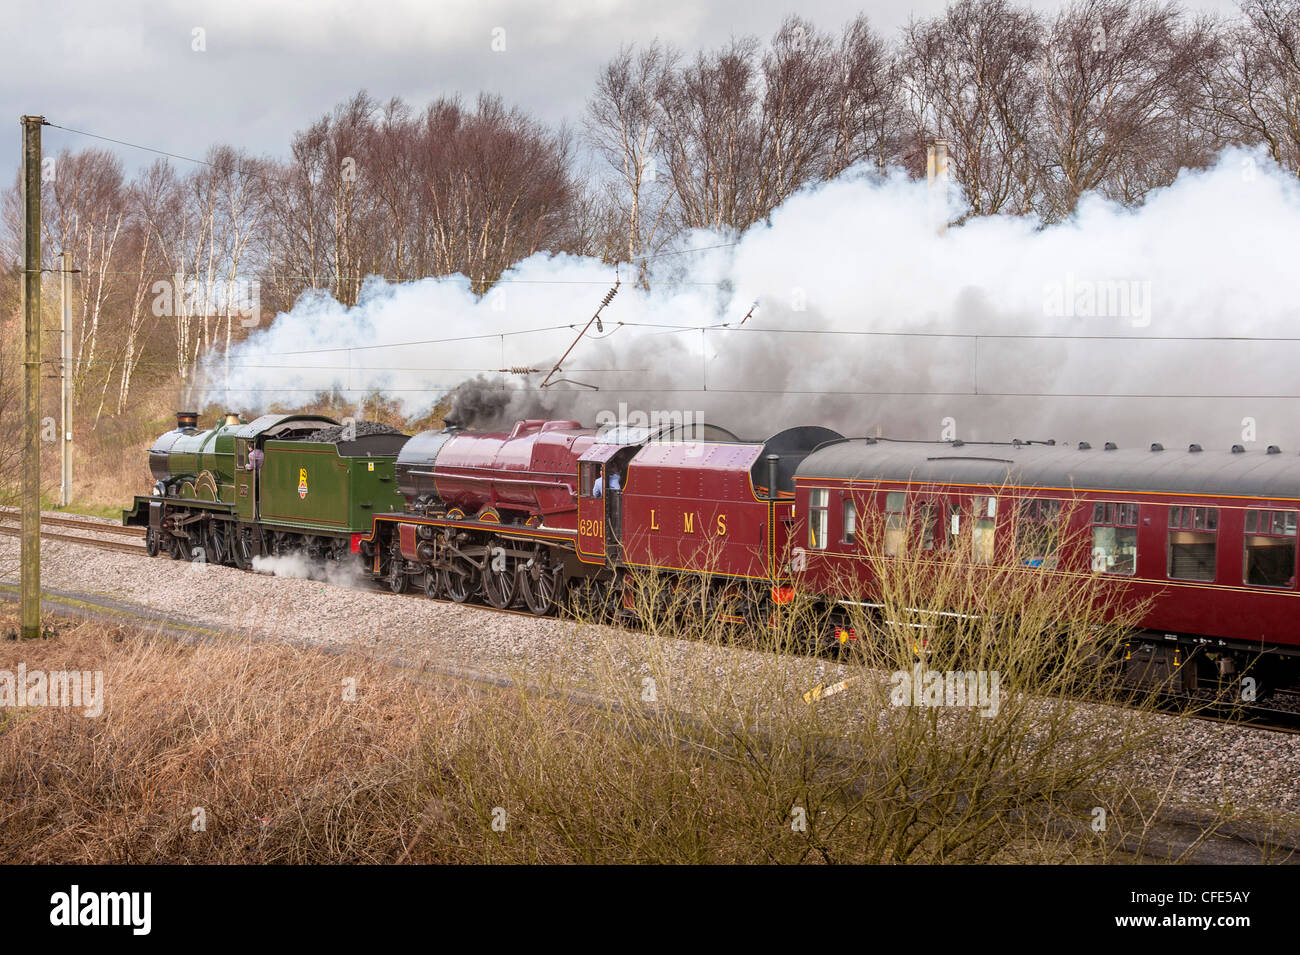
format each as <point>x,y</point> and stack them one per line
<point>1207,537</point>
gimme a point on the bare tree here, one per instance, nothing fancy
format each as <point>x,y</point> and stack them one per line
<point>500,188</point>
<point>866,108</point>
<point>84,212</point>
<point>1253,87</point>
<point>969,79</point>
<point>711,137</point>
<point>1115,75</point>
<point>622,123</point>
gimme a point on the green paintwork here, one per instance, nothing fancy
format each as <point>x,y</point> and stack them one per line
<point>343,493</point>
<point>245,483</point>
<point>137,515</point>
<point>214,451</point>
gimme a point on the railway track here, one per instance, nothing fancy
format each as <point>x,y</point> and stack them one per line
<point>1257,717</point>
<point>10,519</point>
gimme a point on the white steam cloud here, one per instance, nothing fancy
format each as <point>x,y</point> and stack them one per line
<point>1076,331</point>
<point>298,565</point>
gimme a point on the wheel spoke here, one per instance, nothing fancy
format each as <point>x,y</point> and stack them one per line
<point>460,581</point>
<point>539,583</point>
<point>499,585</point>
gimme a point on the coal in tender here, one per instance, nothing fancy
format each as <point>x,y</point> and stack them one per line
<point>345,432</point>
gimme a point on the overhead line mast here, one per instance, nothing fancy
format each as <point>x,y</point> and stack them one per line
<point>30,545</point>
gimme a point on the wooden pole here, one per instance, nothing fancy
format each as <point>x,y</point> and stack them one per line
<point>30,584</point>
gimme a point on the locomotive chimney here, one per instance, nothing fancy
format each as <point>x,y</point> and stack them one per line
<point>773,460</point>
<point>232,419</point>
<point>187,420</point>
<point>936,173</point>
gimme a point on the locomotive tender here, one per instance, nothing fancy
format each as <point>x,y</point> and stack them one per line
<point>550,509</point>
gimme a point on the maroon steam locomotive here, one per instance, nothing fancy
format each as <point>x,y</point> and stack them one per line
<point>549,507</point>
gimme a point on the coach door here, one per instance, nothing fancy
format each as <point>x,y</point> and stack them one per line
<point>245,482</point>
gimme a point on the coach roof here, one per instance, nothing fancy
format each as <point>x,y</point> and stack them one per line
<point>1227,473</point>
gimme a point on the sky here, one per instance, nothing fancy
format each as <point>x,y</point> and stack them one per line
<point>134,70</point>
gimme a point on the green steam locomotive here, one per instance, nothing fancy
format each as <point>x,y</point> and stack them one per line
<point>284,483</point>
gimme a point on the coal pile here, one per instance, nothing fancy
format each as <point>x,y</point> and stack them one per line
<point>351,432</point>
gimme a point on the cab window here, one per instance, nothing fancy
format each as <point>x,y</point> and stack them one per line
<point>588,471</point>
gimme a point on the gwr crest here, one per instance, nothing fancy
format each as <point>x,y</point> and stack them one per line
<point>302,482</point>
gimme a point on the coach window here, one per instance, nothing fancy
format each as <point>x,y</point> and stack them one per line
<point>1114,538</point>
<point>984,518</point>
<point>1193,534</point>
<point>818,517</point>
<point>1270,548</point>
<point>1038,532</point>
<point>850,521</point>
<point>895,522</point>
<point>928,517</point>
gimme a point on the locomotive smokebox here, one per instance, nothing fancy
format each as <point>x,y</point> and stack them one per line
<point>187,420</point>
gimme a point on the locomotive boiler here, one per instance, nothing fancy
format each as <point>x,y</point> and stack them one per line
<point>527,474</point>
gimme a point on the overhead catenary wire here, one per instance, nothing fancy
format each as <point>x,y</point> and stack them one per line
<point>814,393</point>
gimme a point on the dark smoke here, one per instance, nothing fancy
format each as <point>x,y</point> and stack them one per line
<point>491,404</point>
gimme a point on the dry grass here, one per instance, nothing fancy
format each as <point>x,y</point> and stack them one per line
<point>259,738</point>
<point>697,750</point>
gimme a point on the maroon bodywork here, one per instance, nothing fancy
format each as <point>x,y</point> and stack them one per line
<point>528,473</point>
<point>692,506</point>
<point>1226,609</point>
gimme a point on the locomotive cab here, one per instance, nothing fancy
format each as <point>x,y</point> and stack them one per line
<point>602,473</point>
<point>245,480</point>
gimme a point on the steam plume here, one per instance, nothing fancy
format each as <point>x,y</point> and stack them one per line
<point>1212,255</point>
